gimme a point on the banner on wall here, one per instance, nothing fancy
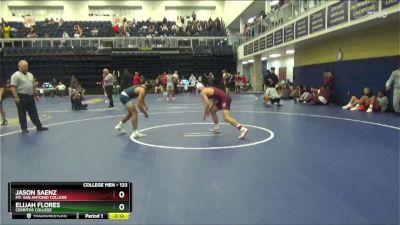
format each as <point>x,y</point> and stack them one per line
<point>338,13</point>
<point>317,21</point>
<point>261,43</point>
<point>362,8</point>
<point>270,40</point>
<point>302,27</point>
<point>278,38</point>
<point>289,33</point>
<point>250,48</point>
<point>255,46</point>
<point>389,3</point>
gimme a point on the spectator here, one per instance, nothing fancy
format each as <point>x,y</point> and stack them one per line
<point>60,89</point>
<point>328,78</point>
<point>271,95</point>
<point>136,79</point>
<point>238,82</point>
<point>272,79</point>
<point>7,30</point>
<point>305,96</point>
<point>395,80</point>
<point>192,79</point>
<point>94,32</point>
<point>226,78</point>
<point>211,79</point>
<point>362,103</point>
<point>379,102</point>
<point>126,79</point>
<point>194,16</point>
<point>108,86</point>
<point>165,21</point>
<point>60,22</point>
<point>116,29</point>
<point>65,35</point>
<point>77,31</point>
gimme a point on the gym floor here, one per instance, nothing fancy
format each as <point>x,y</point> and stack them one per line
<point>299,164</point>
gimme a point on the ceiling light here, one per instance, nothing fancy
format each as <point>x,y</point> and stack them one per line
<point>275,55</point>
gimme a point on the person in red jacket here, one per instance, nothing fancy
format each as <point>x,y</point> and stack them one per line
<point>136,79</point>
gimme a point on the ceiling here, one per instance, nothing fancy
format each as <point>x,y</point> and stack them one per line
<point>252,10</point>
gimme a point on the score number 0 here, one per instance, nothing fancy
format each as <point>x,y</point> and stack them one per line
<point>121,195</point>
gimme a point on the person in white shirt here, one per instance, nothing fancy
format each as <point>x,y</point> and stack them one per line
<point>60,89</point>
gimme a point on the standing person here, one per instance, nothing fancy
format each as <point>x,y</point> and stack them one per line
<point>211,79</point>
<point>226,78</point>
<point>2,96</point>
<point>136,79</point>
<point>175,79</point>
<point>108,86</point>
<point>223,103</point>
<point>23,89</point>
<point>328,78</point>
<point>395,80</point>
<point>125,97</point>
<point>126,79</point>
<point>170,87</point>
<point>271,94</point>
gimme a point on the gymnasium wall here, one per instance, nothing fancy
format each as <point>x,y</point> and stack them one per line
<point>79,10</point>
<point>285,61</point>
<point>370,55</point>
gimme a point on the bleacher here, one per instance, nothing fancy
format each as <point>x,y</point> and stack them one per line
<point>105,29</point>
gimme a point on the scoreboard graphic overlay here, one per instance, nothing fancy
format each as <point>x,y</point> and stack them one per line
<point>70,200</point>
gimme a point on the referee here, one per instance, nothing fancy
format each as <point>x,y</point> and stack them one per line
<point>108,86</point>
<point>23,89</point>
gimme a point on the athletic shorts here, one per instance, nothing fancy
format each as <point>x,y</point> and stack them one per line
<point>170,87</point>
<point>124,99</point>
<point>225,104</point>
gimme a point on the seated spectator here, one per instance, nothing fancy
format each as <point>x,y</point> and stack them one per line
<point>60,89</point>
<point>65,35</point>
<point>305,95</point>
<point>297,92</point>
<point>360,103</point>
<point>77,31</point>
<point>60,22</point>
<point>322,96</point>
<point>285,91</point>
<point>379,102</point>
<point>94,32</point>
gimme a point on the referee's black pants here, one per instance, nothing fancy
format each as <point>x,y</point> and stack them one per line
<point>27,104</point>
<point>109,92</point>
